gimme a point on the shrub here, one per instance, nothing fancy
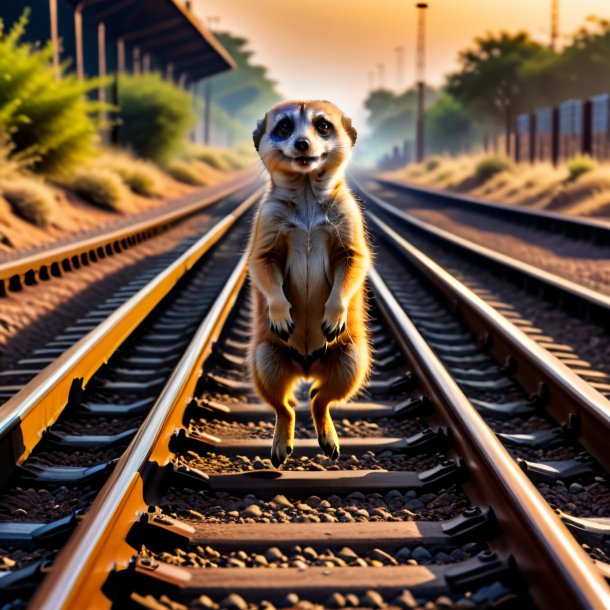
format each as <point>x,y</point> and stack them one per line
<point>222,159</point>
<point>186,172</point>
<point>155,116</point>
<point>488,167</point>
<point>30,199</point>
<point>580,165</point>
<point>141,177</point>
<point>103,188</point>
<point>433,163</point>
<point>49,120</point>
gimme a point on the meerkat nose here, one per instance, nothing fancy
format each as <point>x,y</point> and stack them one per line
<point>302,144</point>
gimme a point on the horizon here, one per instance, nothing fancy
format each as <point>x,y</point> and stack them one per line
<point>299,75</point>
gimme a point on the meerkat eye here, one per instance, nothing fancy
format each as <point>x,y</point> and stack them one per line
<point>323,127</point>
<point>284,128</point>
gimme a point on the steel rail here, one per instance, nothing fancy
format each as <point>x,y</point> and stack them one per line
<point>569,224</point>
<point>578,407</point>
<point>29,269</point>
<point>591,298</point>
<point>557,570</point>
<point>98,544</point>
<point>27,415</point>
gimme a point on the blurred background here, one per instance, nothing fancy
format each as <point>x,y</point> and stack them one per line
<point>112,101</point>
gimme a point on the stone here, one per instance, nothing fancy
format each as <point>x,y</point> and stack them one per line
<point>313,501</point>
<point>260,560</point>
<point>383,557</point>
<point>372,599</point>
<point>421,554</point>
<point>281,500</point>
<point>309,553</point>
<point>490,593</point>
<point>274,554</point>
<point>352,600</point>
<point>403,554</point>
<point>234,602</point>
<point>393,494</point>
<point>357,495</point>
<point>347,554</point>
<point>576,488</point>
<point>411,494</point>
<point>441,557</point>
<point>233,562</point>
<point>444,603</point>
<point>252,511</point>
<point>205,603</point>
<point>292,599</point>
<point>415,504</point>
<point>405,600</point>
<point>336,600</point>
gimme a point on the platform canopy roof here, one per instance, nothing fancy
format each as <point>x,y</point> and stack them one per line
<point>163,28</point>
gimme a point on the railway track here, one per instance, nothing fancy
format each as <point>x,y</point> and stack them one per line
<point>425,507</point>
<point>36,265</point>
<point>63,430</point>
<point>171,501</point>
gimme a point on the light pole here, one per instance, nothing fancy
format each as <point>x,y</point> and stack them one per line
<point>421,74</point>
<point>554,23</point>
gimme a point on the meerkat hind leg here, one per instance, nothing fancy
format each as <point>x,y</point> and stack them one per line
<point>337,378</point>
<point>275,376</point>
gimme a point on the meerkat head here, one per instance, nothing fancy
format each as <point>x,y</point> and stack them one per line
<point>298,137</point>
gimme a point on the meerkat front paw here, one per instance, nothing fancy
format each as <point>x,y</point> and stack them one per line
<point>335,321</point>
<point>280,320</point>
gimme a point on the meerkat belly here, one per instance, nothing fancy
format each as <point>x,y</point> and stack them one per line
<point>307,287</point>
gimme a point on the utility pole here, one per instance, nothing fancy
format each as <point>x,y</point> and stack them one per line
<point>400,67</point>
<point>420,71</point>
<point>554,24</point>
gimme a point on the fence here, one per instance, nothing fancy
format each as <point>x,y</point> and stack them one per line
<point>557,134</point>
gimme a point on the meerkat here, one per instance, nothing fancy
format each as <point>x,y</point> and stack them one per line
<point>308,262</point>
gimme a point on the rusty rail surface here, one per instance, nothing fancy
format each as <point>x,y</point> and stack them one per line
<point>26,416</point>
<point>51,262</point>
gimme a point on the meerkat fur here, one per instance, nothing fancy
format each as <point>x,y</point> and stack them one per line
<point>308,261</point>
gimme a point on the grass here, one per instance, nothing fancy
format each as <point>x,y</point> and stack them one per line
<point>186,171</point>
<point>103,188</point>
<point>580,187</point>
<point>29,199</point>
<point>488,167</point>
<point>580,165</point>
<point>221,159</point>
<point>142,177</point>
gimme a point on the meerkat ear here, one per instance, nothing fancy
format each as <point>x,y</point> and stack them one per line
<point>257,134</point>
<point>349,129</point>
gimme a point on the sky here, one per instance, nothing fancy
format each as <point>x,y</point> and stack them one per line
<point>331,49</point>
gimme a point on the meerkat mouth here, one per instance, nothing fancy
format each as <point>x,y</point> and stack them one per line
<point>307,161</point>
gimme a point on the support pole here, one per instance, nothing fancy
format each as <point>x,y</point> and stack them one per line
<point>54,36</point>
<point>78,35</point>
<point>420,134</point>
<point>120,52</point>
<point>137,68</point>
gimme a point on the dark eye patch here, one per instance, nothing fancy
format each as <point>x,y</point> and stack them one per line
<point>284,128</point>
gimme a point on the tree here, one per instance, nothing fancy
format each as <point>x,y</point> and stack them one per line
<point>449,128</point>
<point>489,79</point>
<point>242,95</point>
